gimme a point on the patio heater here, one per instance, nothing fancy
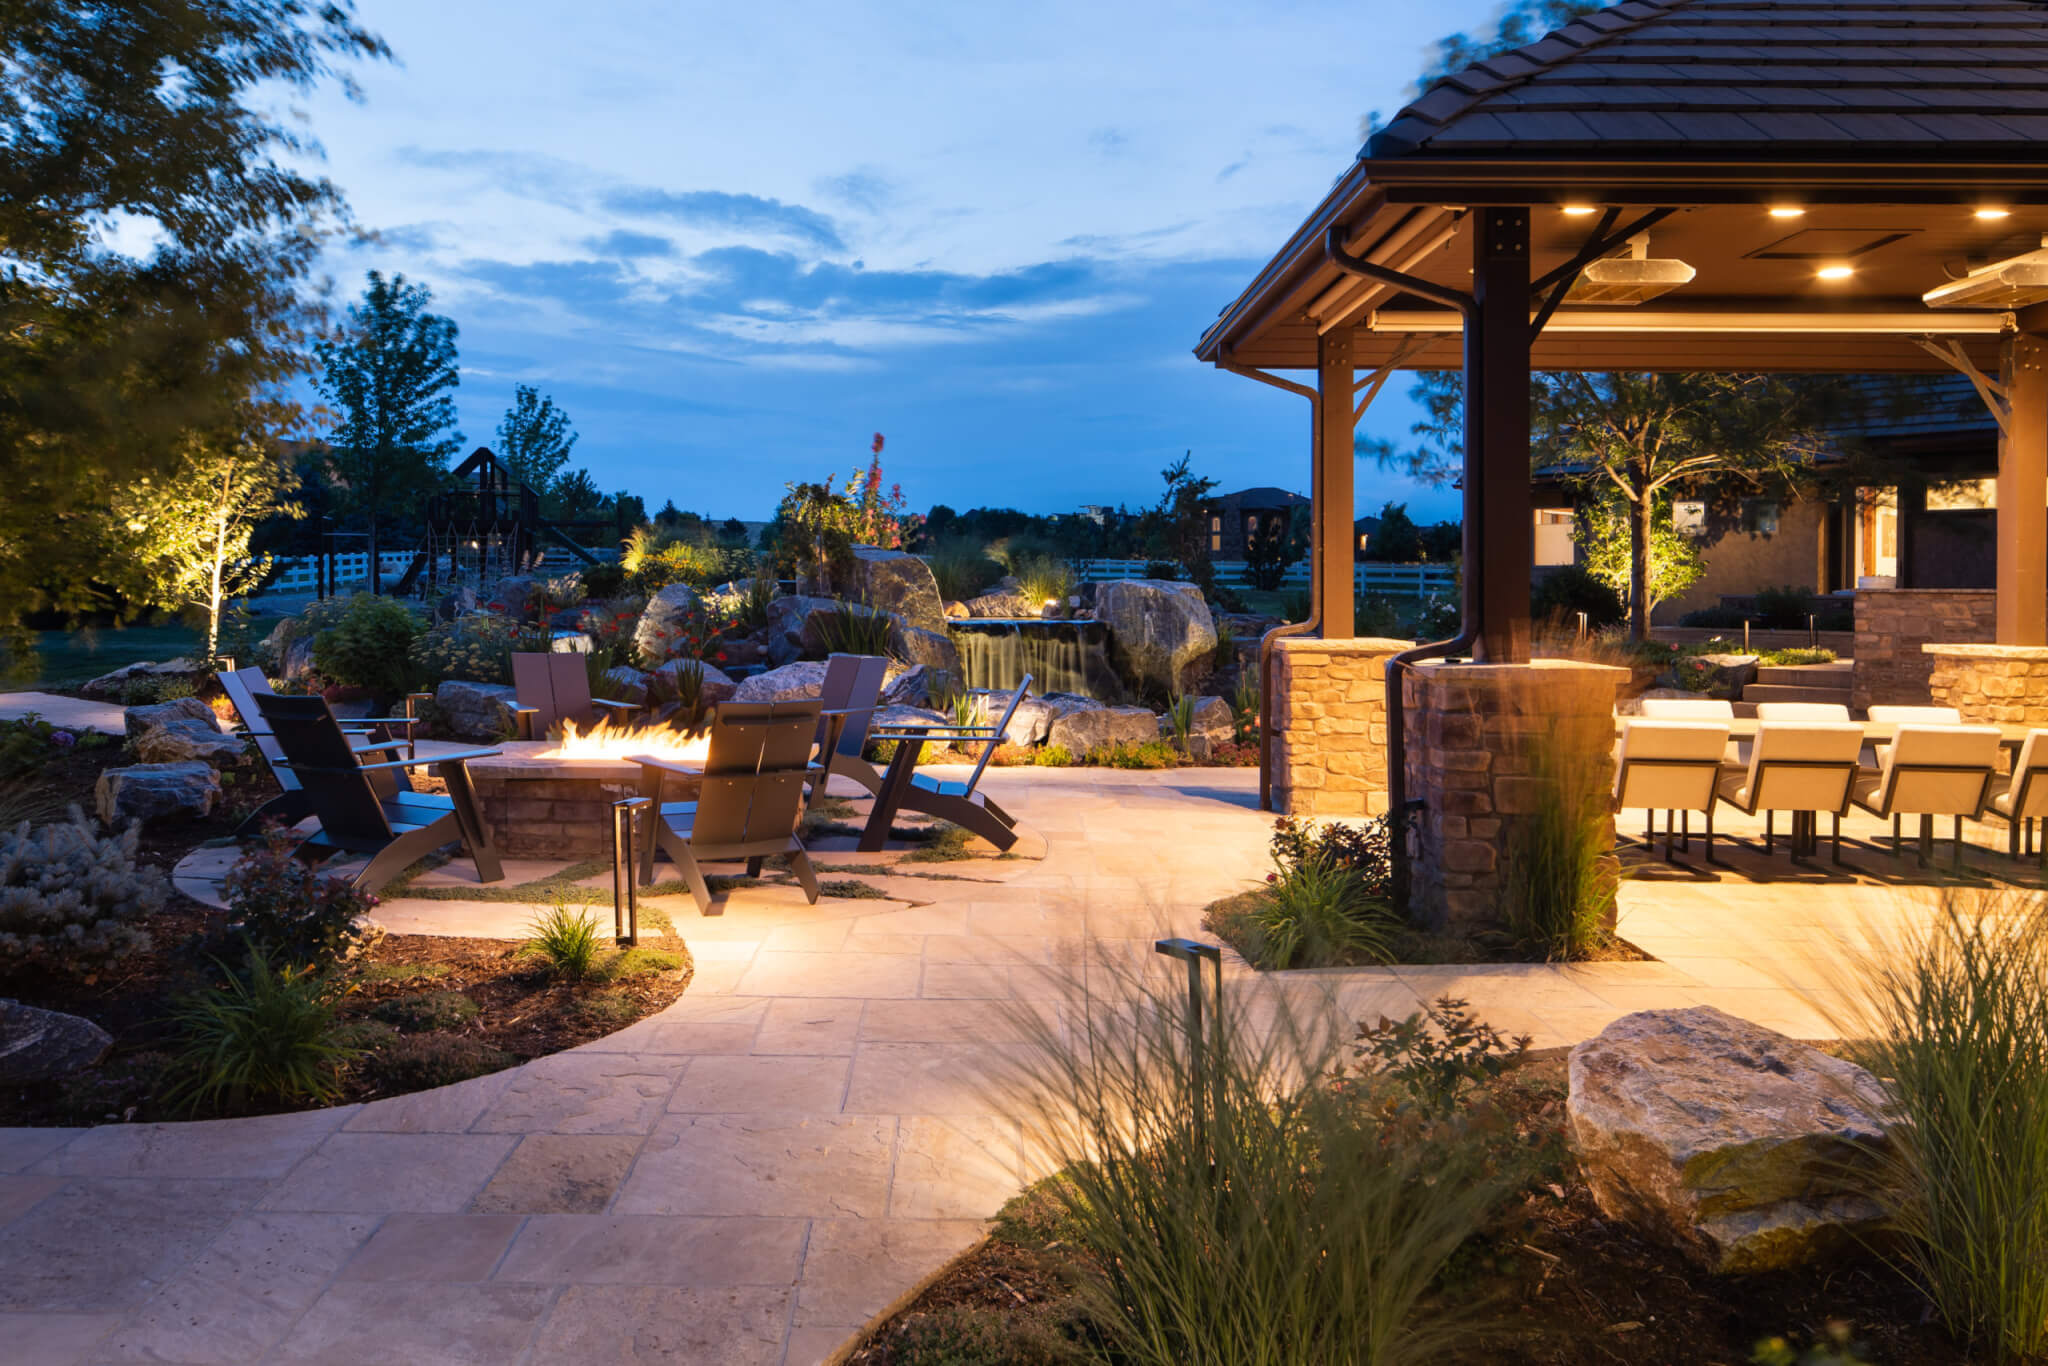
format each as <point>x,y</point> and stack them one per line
<point>625,872</point>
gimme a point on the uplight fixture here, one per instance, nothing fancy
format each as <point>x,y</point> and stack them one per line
<point>1579,210</point>
<point>1835,272</point>
<point>1991,215</point>
<point>1787,211</point>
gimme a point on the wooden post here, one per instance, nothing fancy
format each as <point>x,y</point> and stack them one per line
<point>2023,493</point>
<point>1503,550</point>
<point>1336,459</point>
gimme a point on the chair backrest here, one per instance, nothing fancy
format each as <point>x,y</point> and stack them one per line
<point>1801,711</point>
<point>336,786</point>
<point>1803,765</point>
<point>1917,716</point>
<point>2030,778</point>
<point>1670,765</point>
<point>556,686</point>
<point>853,683</point>
<point>1002,728</point>
<point>1939,770</point>
<point>1688,708</point>
<point>754,772</point>
<point>243,687</point>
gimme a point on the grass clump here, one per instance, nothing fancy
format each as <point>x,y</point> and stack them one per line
<point>426,1011</point>
<point>1559,864</point>
<point>629,964</point>
<point>1326,902</point>
<point>1795,657</point>
<point>1959,1041</point>
<point>261,1036</point>
<point>566,940</point>
<point>946,844</point>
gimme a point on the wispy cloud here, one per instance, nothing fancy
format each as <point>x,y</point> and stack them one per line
<point>746,213</point>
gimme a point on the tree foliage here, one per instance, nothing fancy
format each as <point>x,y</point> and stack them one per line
<point>1271,547</point>
<point>534,438</point>
<point>390,374</point>
<point>1604,532</point>
<point>135,123</point>
<point>1178,527</point>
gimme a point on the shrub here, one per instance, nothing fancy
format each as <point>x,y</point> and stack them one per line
<point>475,649</point>
<point>1134,754</point>
<point>69,899</point>
<point>1959,1038</point>
<point>568,941</point>
<point>1363,848</point>
<point>262,1035</point>
<point>370,646</point>
<point>1030,756</point>
<point>144,689</point>
<point>606,580</point>
<point>1567,591</point>
<point>1715,618</point>
<point>1794,658</point>
<point>1043,579</point>
<point>290,913</point>
<point>1296,604</point>
<point>361,1036</point>
<point>1319,915</point>
<point>28,742</point>
<point>1376,614</point>
<point>427,1010</point>
<point>1559,865</point>
<point>1226,646</point>
<point>1180,717</point>
<point>1245,706</point>
<point>963,570</point>
<point>1165,570</point>
<point>961,1335</point>
<point>1439,1053</point>
<point>415,1062</point>
<point>850,628</point>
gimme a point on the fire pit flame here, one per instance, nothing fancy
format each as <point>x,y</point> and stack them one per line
<point>606,741</point>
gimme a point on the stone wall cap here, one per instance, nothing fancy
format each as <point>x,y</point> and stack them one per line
<point>1965,651</point>
<point>1926,592</point>
<point>1355,645</point>
<point>1490,672</point>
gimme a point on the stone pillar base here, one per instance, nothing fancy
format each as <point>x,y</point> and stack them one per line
<point>1329,719</point>
<point>1485,745</point>
<point>1991,683</point>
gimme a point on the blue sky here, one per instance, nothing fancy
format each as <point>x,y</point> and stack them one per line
<point>735,241</point>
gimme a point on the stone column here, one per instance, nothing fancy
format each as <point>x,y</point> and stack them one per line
<point>1991,683</point>
<point>1329,717</point>
<point>1481,740</point>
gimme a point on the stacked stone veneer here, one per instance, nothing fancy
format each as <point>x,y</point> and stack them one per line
<point>1991,683</point>
<point>1473,732</point>
<point>1892,624</point>
<point>1328,715</point>
<point>557,808</point>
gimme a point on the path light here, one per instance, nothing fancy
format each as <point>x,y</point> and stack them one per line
<point>625,872</point>
<point>1192,952</point>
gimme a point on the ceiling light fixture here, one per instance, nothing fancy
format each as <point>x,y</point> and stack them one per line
<point>1787,211</point>
<point>1990,215</point>
<point>1580,210</point>
<point>1835,272</point>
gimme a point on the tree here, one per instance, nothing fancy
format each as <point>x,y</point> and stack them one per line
<point>1604,532</point>
<point>188,532</point>
<point>1268,551</point>
<point>534,439</point>
<point>390,375</point>
<point>1180,520</point>
<point>574,497</point>
<point>163,118</point>
<point>1397,541</point>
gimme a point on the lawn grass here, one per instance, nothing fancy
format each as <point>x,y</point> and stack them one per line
<point>69,658</point>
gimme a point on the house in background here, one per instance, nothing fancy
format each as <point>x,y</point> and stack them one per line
<point>1930,526</point>
<point>1233,517</point>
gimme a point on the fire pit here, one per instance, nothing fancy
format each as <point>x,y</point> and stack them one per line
<point>553,798</point>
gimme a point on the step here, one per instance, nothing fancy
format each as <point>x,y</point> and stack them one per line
<point>1781,692</point>
<point>1836,675</point>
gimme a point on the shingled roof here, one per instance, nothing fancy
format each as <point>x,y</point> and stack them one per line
<point>1865,79</point>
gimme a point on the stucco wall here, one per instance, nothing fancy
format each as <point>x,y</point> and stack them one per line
<point>1740,562</point>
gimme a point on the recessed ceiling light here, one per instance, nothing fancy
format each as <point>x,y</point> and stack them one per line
<point>1579,210</point>
<point>1991,215</point>
<point>1835,272</point>
<point>1787,211</point>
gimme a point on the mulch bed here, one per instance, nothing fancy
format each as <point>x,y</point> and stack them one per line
<point>1557,1282</point>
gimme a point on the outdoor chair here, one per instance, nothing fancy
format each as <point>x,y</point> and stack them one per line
<point>905,789</point>
<point>1907,716</point>
<point>2025,799</point>
<point>1804,767</point>
<point>290,806</point>
<point>1801,711</point>
<point>555,688</point>
<point>1697,709</point>
<point>357,814</point>
<point>1671,766</point>
<point>1930,771</point>
<point>852,691</point>
<point>749,801</point>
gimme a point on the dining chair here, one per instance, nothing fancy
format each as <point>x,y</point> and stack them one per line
<point>1698,709</point>
<point>1671,766</point>
<point>2025,799</point>
<point>1801,711</point>
<point>1930,771</point>
<point>1804,767</point>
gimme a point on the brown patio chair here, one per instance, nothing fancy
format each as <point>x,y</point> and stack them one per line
<point>368,735</point>
<point>750,797</point>
<point>396,828</point>
<point>852,691</point>
<point>905,789</point>
<point>555,688</point>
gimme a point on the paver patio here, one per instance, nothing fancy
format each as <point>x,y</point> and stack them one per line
<point>755,1172</point>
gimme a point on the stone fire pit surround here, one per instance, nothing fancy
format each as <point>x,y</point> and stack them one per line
<point>540,806</point>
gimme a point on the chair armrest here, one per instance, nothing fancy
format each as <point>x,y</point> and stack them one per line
<point>937,733</point>
<point>462,756</point>
<point>376,746</point>
<point>695,770</point>
<point>384,720</point>
<point>621,706</point>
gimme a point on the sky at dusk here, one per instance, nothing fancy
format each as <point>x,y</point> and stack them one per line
<point>734,242</point>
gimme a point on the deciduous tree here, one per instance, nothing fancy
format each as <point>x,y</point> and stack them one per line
<point>534,438</point>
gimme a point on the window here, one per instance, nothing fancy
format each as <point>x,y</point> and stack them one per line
<point>1215,541</point>
<point>1215,524</point>
<point>1689,517</point>
<point>1962,495</point>
<point>1760,516</point>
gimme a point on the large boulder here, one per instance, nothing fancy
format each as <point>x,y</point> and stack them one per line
<point>888,718</point>
<point>1082,731</point>
<point>658,636</point>
<point>717,687</point>
<point>910,688</point>
<point>1161,634</point>
<point>628,683</point>
<point>513,595</point>
<point>1746,1150</point>
<point>1724,675</point>
<point>899,584</point>
<point>1211,725</point>
<point>929,649</point>
<point>288,650</point>
<point>156,794</point>
<point>138,721</point>
<point>1029,724</point>
<point>115,686</point>
<point>790,683</point>
<point>478,711</point>
<point>183,738</point>
<point>45,1045</point>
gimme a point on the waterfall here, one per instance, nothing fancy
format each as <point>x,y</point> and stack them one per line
<point>1060,656</point>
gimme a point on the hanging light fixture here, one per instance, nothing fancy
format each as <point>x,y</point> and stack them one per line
<point>1630,279</point>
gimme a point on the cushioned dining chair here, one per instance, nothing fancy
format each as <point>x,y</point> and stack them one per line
<point>1698,709</point>
<point>2025,799</point>
<point>1804,767</point>
<point>1670,766</point>
<point>1801,711</point>
<point>1930,771</point>
<point>1905,716</point>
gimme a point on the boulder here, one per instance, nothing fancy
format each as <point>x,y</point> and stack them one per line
<point>1081,731</point>
<point>660,624</point>
<point>791,682</point>
<point>458,603</point>
<point>717,685</point>
<point>955,610</point>
<point>1003,606</point>
<point>1030,724</point>
<point>138,721</point>
<point>1161,634</point>
<point>515,593</point>
<point>889,717</point>
<point>478,711</point>
<point>1726,675</point>
<point>1212,724</point>
<point>183,738</point>
<point>630,684</point>
<point>46,1045</point>
<point>114,686</point>
<point>899,584</point>
<point>929,649</point>
<point>741,651</point>
<point>1746,1150</point>
<point>288,651</point>
<point>910,688</point>
<point>156,794</point>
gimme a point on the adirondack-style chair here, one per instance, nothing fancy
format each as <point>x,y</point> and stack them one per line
<point>244,686</point>
<point>396,828</point>
<point>750,800</point>
<point>905,789</point>
<point>852,691</point>
<point>554,688</point>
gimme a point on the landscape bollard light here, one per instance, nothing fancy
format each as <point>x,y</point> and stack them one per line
<point>1812,632</point>
<point>1745,635</point>
<point>1192,952</point>
<point>625,872</point>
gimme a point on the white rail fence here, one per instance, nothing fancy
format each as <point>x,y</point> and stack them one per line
<point>301,574</point>
<point>1391,580</point>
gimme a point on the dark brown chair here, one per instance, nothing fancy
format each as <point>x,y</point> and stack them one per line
<point>396,828</point>
<point>852,691</point>
<point>554,688</point>
<point>749,801</point>
<point>368,735</point>
<point>905,789</point>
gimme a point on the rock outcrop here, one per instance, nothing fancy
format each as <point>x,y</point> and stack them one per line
<point>899,584</point>
<point>156,794</point>
<point>1162,636</point>
<point>1746,1150</point>
<point>1093,728</point>
<point>657,635</point>
<point>138,721</point>
<point>478,711</point>
<point>46,1045</point>
<point>180,739</point>
<point>791,682</point>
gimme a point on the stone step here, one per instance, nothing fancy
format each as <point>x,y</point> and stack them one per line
<point>1782,692</point>
<point>1836,675</point>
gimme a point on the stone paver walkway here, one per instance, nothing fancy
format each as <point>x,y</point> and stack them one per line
<point>755,1172</point>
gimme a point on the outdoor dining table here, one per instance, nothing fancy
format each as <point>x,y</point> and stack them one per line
<point>2011,734</point>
